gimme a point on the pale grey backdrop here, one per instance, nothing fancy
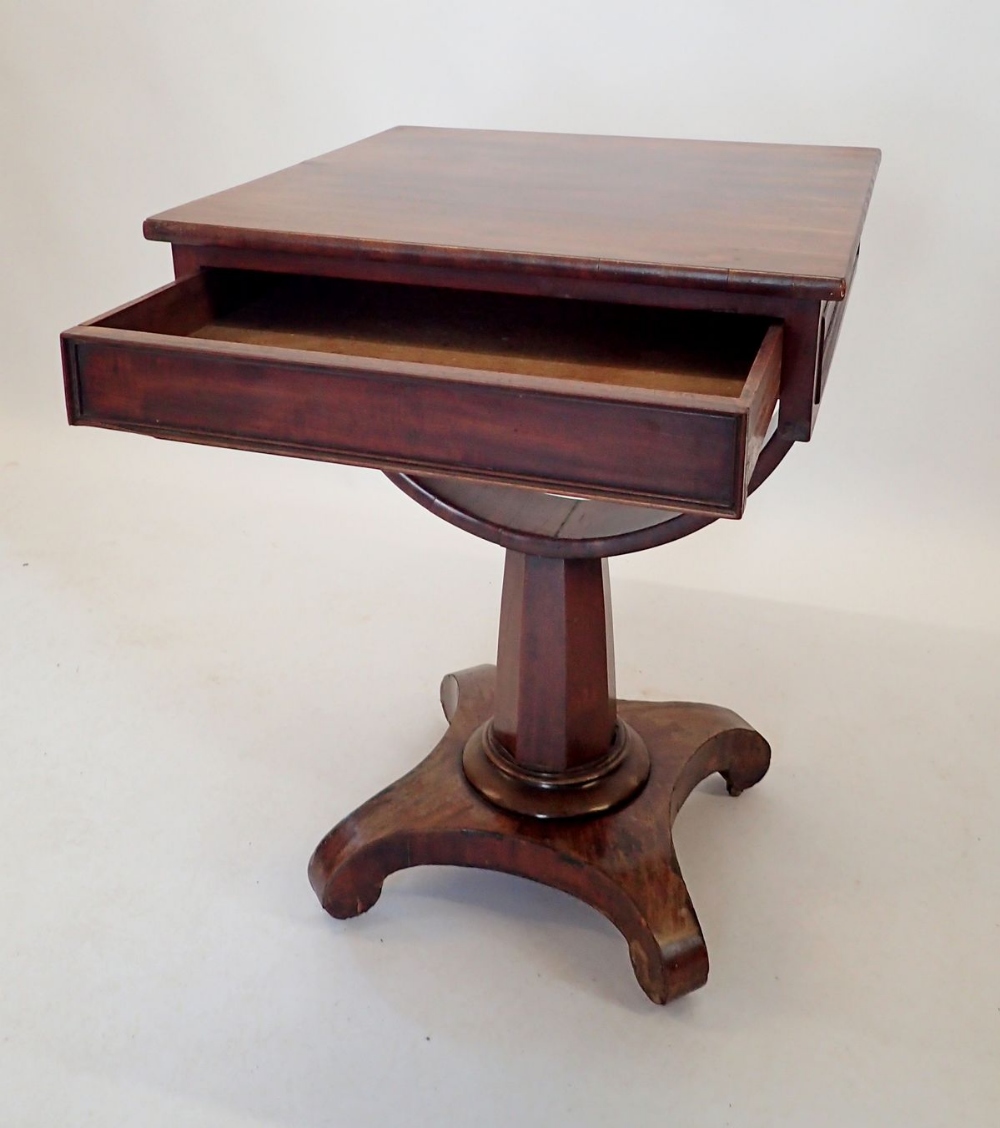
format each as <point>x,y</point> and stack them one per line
<point>207,657</point>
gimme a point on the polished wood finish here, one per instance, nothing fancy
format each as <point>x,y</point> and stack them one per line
<point>500,387</point>
<point>571,346</point>
<point>555,747</point>
<point>597,343</point>
<point>555,697</point>
<point>622,863</point>
<point>782,219</point>
<point>556,525</point>
<point>769,230</point>
<point>799,378</point>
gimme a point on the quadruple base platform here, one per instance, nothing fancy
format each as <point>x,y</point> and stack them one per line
<point>622,862</point>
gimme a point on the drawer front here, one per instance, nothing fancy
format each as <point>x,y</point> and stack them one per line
<point>678,451</point>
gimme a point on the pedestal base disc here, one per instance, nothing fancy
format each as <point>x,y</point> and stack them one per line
<point>590,790</point>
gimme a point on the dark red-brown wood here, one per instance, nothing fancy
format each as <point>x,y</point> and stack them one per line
<point>572,346</point>
<point>495,386</point>
<point>556,525</point>
<point>761,229</point>
<point>780,219</point>
<point>555,697</point>
<point>622,863</point>
<point>555,747</point>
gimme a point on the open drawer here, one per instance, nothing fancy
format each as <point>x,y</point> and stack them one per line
<point>657,406</point>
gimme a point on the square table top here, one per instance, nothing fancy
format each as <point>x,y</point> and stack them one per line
<point>780,219</point>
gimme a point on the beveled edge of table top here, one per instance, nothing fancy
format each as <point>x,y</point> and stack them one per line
<point>733,216</point>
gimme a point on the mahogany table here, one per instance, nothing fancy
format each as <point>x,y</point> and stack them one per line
<point>571,346</point>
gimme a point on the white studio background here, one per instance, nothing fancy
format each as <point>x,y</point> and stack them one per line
<point>177,620</point>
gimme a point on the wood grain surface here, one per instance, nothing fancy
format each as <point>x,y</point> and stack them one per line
<point>782,219</point>
<point>499,387</point>
<point>598,342</point>
<point>622,863</point>
<point>497,318</point>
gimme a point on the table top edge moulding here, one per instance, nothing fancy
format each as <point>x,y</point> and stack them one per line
<point>573,346</point>
<point>794,222</point>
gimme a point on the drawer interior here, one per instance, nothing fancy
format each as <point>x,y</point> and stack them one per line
<point>602,342</point>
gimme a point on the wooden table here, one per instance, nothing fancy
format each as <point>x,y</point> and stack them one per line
<point>571,346</point>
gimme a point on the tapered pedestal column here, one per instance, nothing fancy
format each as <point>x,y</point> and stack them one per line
<point>555,746</point>
<point>555,707</point>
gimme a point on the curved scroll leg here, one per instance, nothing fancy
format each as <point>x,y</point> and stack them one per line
<point>687,743</point>
<point>412,817</point>
<point>622,862</point>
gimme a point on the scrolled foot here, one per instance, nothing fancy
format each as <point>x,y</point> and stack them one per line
<point>676,969</point>
<point>468,689</point>
<point>343,894</point>
<point>395,828</point>
<point>749,758</point>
